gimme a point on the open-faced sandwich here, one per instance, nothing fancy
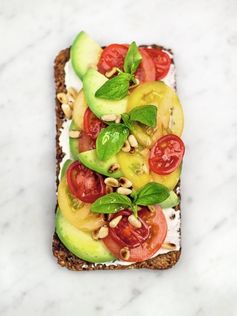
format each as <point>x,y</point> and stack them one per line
<point>119,157</point>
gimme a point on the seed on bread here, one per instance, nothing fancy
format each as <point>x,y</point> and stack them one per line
<point>125,253</point>
<point>111,182</point>
<point>134,221</point>
<point>67,110</point>
<point>74,134</point>
<point>168,246</point>
<point>114,222</point>
<point>124,191</point>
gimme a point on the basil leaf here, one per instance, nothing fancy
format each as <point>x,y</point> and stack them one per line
<point>152,193</point>
<point>132,59</point>
<point>145,114</point>
<point>110,140</point>
<point>115,88</point>
<point>126,120</point>
<point>111,203</point>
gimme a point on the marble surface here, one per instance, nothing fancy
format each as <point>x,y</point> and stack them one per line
<point>203,35</point>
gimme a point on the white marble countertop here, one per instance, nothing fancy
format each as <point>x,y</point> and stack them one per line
<point>203,35</point>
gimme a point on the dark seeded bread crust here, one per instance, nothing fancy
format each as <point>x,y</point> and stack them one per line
<point>64,257</point>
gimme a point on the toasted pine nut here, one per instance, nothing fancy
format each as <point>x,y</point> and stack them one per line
<point>135,84</point>
<point>152,208</point>
<point>124,191</point>
<point>114,168</point>
<point>74,134</point>
<point>134,221</point>
<point>111,182</point>
<point>101,233</point>
<point>72,92</point>
<point>132,141</point>
<point>125,253</point>
<point>126,147</point>
<point>115,221</point>
<point>118,119</point>
<point>67,110</point>
<point>70,101</point>
<point>109,117</point>
<point>169,246</point>
<point>124,182</point>
<point>108,189</point>
<point>111,72</point>
<point>62,97</point>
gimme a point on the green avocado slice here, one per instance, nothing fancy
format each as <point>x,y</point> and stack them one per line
<point>81,243</point>
<point>171,201</point>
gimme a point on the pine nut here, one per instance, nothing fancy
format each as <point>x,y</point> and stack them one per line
<point>111,72</point>
<point>135,84</point>
<point>67,110</point>
<point>101,233</point>
<point>108,189</point>
<point>118,119</point>
<point>72,92</point>
<point>74,134</point>
<point>62,97</point>
<point>169,246</point>
<point>125,253</point>
<point>114,168</point>
<point>111,182</point>
<point>70,101</point>
<point>109,117</point>
<point>132,141</point>
<point>115,221</point>
<point>124,191</point>
<point>126,147</point>
<point>152,208</point>
<point>134,221</point>
<point>124,182</point>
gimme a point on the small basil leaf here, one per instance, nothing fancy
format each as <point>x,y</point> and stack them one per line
<point>111,203</point>
<point>132,59</point>
<point>145,114</point>
<point>110,140</point>
<point>115,88</point>
<point>126,120</point>
<point>152,193</point>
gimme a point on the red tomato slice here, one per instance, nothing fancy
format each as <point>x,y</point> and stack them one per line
<point>156,225</point>
<point>112,56</point>
<point>125,234</point>
<point>84,183</point>
<point>85,142</point>
<point>167,154</point>
<point>161,60</point>
<point>146,70</point>
<point>92,125</point>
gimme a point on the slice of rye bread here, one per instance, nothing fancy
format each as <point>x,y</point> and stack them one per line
<point>64,257</point>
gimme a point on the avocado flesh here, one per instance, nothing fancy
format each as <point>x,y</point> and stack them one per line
<point>81,243</point>
<point>171,201</point>
<point>92,81</point>
<point>84,53</point>
<point>91,161</point>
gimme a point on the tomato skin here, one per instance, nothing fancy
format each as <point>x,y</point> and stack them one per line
<point>158,230</point>
<point>85,142</point>
<point>161,60</point>
<point>112,56</point>
<point>167,154</point>
<point>84,183</point>
<point>92,125</point>
<point>146,70</point>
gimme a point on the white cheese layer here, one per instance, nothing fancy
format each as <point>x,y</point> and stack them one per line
<point>172,216</point>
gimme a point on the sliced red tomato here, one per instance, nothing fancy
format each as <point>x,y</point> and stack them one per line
<point>161,60</point>
<point>84,183</point>
<point>142,242</point>
<point>112,56</point>
<point>146,70</point>
<point>85,142</point>
<point>92,125</point>
<point>167,154</point>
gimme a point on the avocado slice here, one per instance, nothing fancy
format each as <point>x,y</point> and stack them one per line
<point>81,243</point>
<point>84,53</point>
<point>171,201</point>
<point>92,81</point>
<point>65,166</point>
<point>91,161</point>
